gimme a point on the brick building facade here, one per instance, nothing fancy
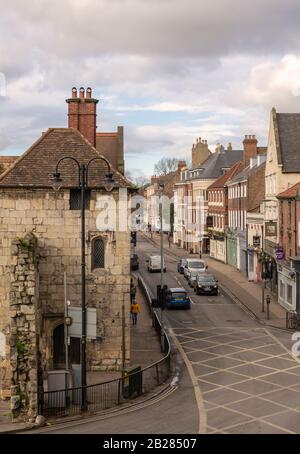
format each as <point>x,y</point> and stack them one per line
<point>289,241</point>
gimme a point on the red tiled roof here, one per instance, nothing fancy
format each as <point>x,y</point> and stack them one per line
<point>220,182</point>
<point>290,192</point>
<point>36,166</point>
<point>8,159</point>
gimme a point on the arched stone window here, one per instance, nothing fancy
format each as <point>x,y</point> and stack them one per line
<point>98,253</point>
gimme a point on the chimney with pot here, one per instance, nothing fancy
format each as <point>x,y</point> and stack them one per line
<point>229,147</point>
<point>181,165</point>
<point>82,113</point>
<point>250,149</point>
<point>200,152</point>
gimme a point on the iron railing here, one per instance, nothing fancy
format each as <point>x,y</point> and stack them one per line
<point>102,396</point>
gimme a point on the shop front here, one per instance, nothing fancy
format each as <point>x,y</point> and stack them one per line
<point>269,265</point>
<point>286,286</point>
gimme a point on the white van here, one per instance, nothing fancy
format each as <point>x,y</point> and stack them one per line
<point>154,263</point>
<point>194,265</point>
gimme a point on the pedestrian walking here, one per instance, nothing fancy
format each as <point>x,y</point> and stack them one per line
<point>134,310</point>
<point>132,291</point>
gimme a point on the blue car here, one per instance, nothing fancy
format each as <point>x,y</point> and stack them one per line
<point>180,265</point>
<point>177,298</point>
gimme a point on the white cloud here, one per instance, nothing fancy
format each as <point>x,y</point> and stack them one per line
<point>169,70</point>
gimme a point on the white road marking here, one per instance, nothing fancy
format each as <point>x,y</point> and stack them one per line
<point>197,391</point>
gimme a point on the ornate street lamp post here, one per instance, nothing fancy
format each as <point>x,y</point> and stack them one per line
<point>83,186</point>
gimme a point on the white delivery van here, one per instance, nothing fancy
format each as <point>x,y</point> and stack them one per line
<point>154,263</point>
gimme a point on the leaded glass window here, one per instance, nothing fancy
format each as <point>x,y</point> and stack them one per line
<point>98,253</point>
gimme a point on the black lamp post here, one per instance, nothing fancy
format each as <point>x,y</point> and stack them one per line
<point>83,185</point>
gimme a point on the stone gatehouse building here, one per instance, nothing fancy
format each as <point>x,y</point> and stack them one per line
<point>40,240</point>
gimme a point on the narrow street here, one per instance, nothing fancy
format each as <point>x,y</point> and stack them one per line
<point>237,376</point>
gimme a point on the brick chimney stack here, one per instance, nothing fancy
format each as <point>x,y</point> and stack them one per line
<point>82,113</point>
<point>200,152</point>
<point>250,149</point>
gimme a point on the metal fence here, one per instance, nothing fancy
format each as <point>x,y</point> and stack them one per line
<point>102,396</point>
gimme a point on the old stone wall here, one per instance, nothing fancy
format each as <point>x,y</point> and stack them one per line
<point>57,229</point>
<point>24,315</point>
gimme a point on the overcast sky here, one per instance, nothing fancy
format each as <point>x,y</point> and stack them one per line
<point>168,70</point>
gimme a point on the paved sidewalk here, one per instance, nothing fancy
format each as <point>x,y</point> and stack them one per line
<point>144,350</point>
<point>248,293</point>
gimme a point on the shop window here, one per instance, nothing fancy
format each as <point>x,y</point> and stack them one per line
<point>289,294</point>
<point>281,289</point>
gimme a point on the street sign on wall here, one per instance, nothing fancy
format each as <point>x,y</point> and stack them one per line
<point>74,330</point>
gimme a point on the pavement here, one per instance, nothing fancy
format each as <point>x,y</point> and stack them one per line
<point>249,294</point>
<point>145,350</point>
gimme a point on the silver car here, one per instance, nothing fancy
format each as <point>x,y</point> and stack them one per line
<point>197,265</point>
<point>192,277</point>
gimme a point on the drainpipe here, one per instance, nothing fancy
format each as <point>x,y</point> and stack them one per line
<point>295,231</point>
<point>247,258</point>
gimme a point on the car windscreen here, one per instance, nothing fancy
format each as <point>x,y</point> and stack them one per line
<point>206,279</point>
<point>178,295</point>
<point>196,265</point>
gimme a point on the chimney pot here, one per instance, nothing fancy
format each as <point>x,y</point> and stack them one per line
<point>89,92</point>
<point>81,93</point>
<point>82,115</point>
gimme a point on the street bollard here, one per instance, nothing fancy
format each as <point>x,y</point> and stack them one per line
<point>263,296</point>
<point>268,301</point>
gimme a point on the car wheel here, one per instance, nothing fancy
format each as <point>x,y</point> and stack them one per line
<point>188,307</point>
<point>197,291</point>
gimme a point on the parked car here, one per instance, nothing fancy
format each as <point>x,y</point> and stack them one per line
<point>177,298</point>
<point>206,284</point>
<point>154,263</point>
<point>180,265</point>
<point>192,277</point>
<point>134,262</point>
<point>195,265</point>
